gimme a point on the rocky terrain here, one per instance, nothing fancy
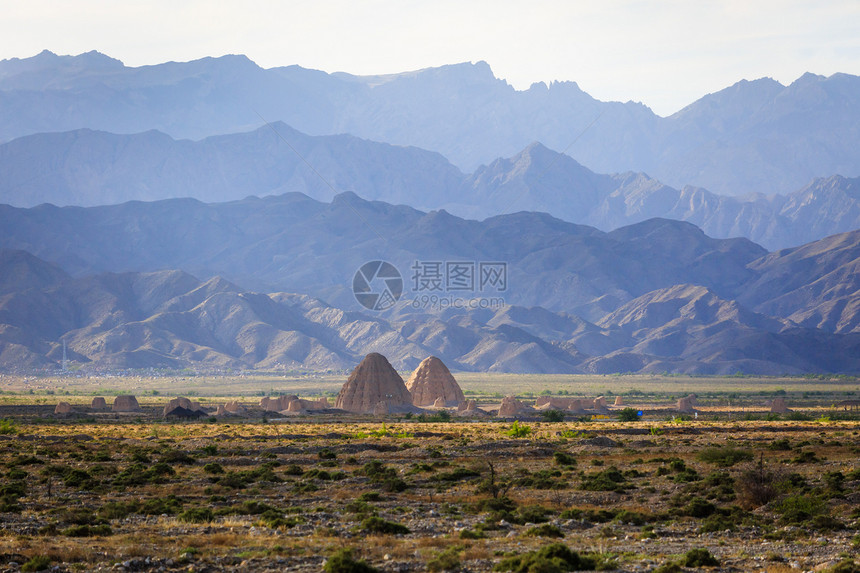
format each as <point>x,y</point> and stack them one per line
<point>105,492</point>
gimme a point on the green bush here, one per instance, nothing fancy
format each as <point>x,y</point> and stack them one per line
<point>541,479</point>
<point>117,509</point>
<point>628,415</point>
<point>293,470</point>
<point>544,530</point>
<point>472,534</point>
<point>447,560</point>
<point>630,517</point>
<point>375,524</point>
<point>689,475</point>
<point>377,471</point>
<point>177,457</point>
<point>87,531</point>
<point>170,505</point>
<point>699,558</point>
<point>518,430</point>
<point>457,474</point>
<point>326,454</point>
<point>37,563</point>
<point>610,479</point>
<point>251,507</point>
<point>274,519</point>
<point>797,509</point>
<point>698,507</point>
<point>344,562</point>
<point>8,427</point>
<point>197,515</point>
<point>826,523</point>
<point>805,457</point>
<point>554,558</point>
<point>844,566</point>
<point>213,468</point>
<point>13,490</point>
<point>532,514</point>
<point>17,474</point>
<point>564,459</point>
<point>715,523</point>
<point>724,456</point>
<point>552,416</point>
<point>137,474</point>
<point>668,567</point>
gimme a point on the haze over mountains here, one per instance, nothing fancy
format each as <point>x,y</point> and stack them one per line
<point>656,296</point>
<point>213,214</point>
<point>755,136</point>
<point>86,168</point>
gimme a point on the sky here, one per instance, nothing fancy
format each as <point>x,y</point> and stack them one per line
<point>665,54</point>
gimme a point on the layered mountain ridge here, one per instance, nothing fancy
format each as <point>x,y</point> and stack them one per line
<point>755,136</point>
<point>656,296</point>
<point>89,168</point>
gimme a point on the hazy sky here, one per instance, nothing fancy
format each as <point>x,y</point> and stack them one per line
<point>664,54</point>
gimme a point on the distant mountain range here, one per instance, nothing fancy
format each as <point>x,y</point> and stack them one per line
<point>216,214</point>
<point>169,319</point>
<point>87,168</point>
<point>655,296</point>
<point>292,243</point>
<point>755,136</point>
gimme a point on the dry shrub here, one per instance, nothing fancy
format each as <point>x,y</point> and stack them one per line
<point>756,486</point>
<point>220,539</point>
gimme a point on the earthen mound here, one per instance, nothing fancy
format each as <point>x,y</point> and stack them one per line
<point>278,404</point>
<point>470,408</point>
<point>687,403</point>
<point>126,403</point>
<point>511,407</point>
<point>180,402</point>
<point>234,407</point>
<point>292,403</point>
<point>180,412</point>
<point>431,381</point>
<point>99,403</point>
<point>373,387</point>
<point>778,406</point>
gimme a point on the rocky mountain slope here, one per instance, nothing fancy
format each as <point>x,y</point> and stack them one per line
<point>755,136</point>
<point>292,243</point>
<point>295,244</point>
<point>169,319</point>
<point>655,296</point>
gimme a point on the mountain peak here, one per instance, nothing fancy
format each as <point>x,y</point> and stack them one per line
<point>95,59</point>
<point>809,78</point>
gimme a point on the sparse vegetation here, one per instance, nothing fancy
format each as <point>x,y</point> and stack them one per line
<point>344,562</point>
<point>628,415</point>
<point>243,491</point>
<point>518,430</point>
